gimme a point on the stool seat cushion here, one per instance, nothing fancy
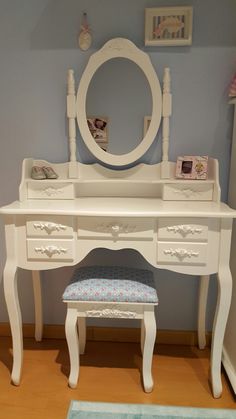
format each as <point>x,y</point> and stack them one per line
<point>111,283</point>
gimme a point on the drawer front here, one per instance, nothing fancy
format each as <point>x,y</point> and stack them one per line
<point>181,228</point>
<point>50,190</point>
<point>188,192</point>
<point>115,229</point>
<point>182,253</point>
<point>50,249</point>
<point>49,226</point>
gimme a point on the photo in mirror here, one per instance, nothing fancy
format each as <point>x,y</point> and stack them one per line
<point>98,126</point>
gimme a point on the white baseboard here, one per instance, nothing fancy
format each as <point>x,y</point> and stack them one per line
<point>230,370</point>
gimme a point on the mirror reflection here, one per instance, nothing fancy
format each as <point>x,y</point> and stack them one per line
<point>118,99</point>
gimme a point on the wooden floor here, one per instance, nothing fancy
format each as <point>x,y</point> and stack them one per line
<point>109,373</point>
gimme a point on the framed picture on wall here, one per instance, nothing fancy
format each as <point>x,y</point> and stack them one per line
<point>168,26</point>
<point>192,167</point>
<point>98,126</point>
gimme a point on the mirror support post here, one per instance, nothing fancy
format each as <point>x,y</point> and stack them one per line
<point>71,115</point>
<point>166,113</point>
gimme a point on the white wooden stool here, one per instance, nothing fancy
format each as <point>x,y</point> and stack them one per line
<point>110,292</point>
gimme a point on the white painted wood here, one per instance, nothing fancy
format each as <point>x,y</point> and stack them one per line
<point>191,191</point>
<point>50,190</point>
<point>229,350</point>
<point>202,304</point>
<point>166,113</point>
<point>149,341</point>
<point>44,249</point>
<point>82,334</point>
<point>71,115</point>
<point>42,226</point>
<point>37,305</point>
<point>222,309</point>
<point>77,311</point>
<point>196,229</point>
<point>12,300</point>
<point>73,345</point>
<point>182,253</point>
<point>123,48</point>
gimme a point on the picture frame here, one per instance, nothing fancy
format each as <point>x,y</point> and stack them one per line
<point>146,123</point>
<point>192,167</point>
<point>168,26</point>
<point>98,126</point>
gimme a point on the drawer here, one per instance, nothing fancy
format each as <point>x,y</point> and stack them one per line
<point>49,226</point>
<point>115,228</point>
<point>50,249</point>
<point>182,253</point>
<point>50,190</point>
<point>182,228</point>
<point>188,191</point>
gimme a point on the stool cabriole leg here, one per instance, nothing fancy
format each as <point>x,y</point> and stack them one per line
<point>73,345</point>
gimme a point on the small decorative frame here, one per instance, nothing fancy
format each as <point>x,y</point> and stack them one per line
<point>98,126</point>
<point>192,167</point>
<point>146,123</point>
<point>168,26</point>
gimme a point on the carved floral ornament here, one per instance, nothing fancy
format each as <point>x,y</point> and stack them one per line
<point>50,250</point>
<point>184,229</point>
<point>181,253</point>
<point>49,227</point>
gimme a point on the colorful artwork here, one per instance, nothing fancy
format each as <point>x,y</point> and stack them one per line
<point>192,167</point>
<point>166,26</point>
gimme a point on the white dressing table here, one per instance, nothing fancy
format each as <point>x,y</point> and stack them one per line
<point>175,224</point>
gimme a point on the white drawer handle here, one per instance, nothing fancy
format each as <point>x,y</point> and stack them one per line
<point>49,227</point>
<point>50,250</point>
<point>184,229</point>
<point>115,228</point>
<point>181,253</point>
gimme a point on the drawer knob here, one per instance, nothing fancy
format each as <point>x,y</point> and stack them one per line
<point>50,250</point>
<point>180,253</point>
<point>115,228</point>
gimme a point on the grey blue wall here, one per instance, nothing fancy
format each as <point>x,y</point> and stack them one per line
<point>38,43</point>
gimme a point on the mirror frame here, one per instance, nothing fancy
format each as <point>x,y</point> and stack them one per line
<point>119,48</point>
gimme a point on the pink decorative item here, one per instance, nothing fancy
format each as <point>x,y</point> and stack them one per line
<point>232,89</point>
<point>85,37</point>
<point>192,167</point>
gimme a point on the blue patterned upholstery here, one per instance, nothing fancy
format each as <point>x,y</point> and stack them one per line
<point>111,283</point>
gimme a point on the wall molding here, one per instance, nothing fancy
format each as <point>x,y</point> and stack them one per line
<point>115,334</point>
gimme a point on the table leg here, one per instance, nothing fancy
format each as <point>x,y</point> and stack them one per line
<point>37,305</point>
<point>221,316</point>
<point>222,307</point>
<point>202,303</point>
<point>13,307</point>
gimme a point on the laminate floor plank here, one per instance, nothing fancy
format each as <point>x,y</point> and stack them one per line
<point>110,372</point>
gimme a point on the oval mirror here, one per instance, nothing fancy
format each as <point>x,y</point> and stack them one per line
<point>118,129</point>
<point>115,138</point>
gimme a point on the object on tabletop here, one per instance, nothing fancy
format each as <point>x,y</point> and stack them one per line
<point>232,89</point>
<point>168,26</point>
<point>192,167</point>
<point>45,172</point>
<point>85,37</point>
